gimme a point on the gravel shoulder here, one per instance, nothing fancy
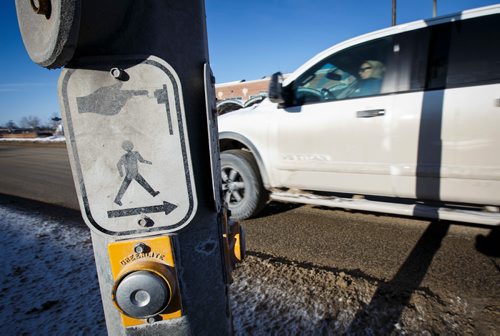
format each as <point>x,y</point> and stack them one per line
<point>274,296</point>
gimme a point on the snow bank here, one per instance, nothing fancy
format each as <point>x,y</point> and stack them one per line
<point>56,139</point>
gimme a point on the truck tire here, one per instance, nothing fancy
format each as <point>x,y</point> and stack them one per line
<point>242,186</point>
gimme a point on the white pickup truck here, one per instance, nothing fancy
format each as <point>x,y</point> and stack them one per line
<point>404,120</point>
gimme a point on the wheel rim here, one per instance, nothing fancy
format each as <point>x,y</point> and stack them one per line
<point>233,186</point>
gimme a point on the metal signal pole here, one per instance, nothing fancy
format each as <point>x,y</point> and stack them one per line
<point>138,105</point>
<point>393,12</point>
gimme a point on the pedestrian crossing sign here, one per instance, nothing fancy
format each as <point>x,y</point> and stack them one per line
<point>128,143</point>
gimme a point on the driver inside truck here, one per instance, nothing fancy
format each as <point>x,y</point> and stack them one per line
<point>371,74</point>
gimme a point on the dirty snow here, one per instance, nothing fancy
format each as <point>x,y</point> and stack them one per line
<point>55,138</point>
<point>49,287</point>
<point>48,279</point>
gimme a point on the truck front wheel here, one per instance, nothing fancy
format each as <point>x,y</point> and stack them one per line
<point>242,185</point>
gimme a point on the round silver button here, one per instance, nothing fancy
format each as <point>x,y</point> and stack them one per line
<point>141,294</point>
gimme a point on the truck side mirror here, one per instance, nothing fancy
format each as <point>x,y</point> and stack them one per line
<point>275,92</point>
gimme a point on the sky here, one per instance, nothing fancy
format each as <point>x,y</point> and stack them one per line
<point>247,40</point>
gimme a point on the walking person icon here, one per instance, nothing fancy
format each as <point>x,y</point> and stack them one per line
<point>129,162</point>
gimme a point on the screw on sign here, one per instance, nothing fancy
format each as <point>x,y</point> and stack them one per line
<point>42,7</point>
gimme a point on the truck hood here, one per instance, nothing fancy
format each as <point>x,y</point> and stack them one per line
<point>245,118</point>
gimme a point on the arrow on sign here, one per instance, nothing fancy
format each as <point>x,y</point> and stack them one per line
<point>165,207</point>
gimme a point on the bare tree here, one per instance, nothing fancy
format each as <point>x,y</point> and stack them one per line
<point>30,122</point>
<point>10,125</point>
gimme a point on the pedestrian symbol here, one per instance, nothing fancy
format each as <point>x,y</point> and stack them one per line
<point>130,161</point>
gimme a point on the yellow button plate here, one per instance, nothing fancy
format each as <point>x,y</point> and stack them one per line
<point>124,260</point>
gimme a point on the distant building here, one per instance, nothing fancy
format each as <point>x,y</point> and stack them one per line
<point>26,133</point>
<point>243,90</point>
<point>235,95</point>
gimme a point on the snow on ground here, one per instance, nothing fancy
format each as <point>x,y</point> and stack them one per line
<point>49,287</point>
<point>36,140</point>
<point>48,279</point>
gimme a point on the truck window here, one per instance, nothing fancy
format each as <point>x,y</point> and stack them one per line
<point>412,59</point>
<point>465,52</point>
<point>475,52</point>
<point>359,71</point>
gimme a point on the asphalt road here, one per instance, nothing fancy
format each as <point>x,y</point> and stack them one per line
<point>406,252</point>
<point>440,258</point>
<point>37,171</point>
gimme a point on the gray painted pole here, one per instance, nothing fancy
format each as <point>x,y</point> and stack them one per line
<point>393,12</point>
<point>90,37</point>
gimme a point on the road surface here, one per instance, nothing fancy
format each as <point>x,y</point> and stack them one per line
<point>37,171</point>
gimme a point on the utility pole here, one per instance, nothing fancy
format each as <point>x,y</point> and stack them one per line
<point>434,8</point>
<point>393,12</point>
<point>138,105</point>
